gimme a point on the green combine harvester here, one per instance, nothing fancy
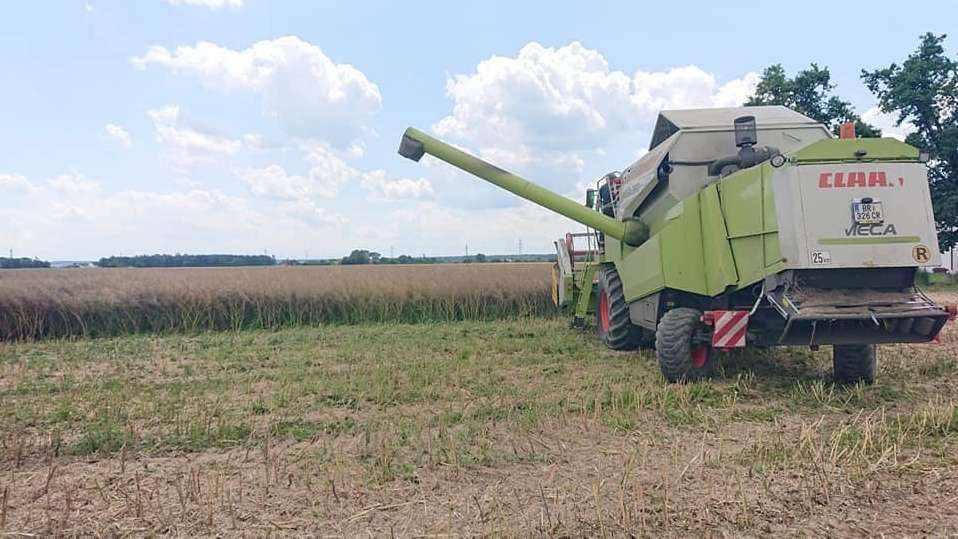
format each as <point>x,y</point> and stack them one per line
<point>712,241</point>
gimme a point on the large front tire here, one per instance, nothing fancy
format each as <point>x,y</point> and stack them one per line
<point>681,358</point>
<point>853,363</point>
<point>612,320</point>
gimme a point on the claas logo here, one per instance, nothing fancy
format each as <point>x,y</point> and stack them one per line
<point>833,180</point>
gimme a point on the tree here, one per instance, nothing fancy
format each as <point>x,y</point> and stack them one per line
<point>357,256</point>
<point>923,91</point>
<point>809,93</point>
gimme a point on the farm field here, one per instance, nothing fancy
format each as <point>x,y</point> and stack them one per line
<point>512,426</point>
<point>37,304</point>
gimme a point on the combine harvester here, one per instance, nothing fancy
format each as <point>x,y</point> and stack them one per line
<point>712,241</point>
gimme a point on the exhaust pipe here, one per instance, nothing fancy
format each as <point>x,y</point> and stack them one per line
<point>746,136</point>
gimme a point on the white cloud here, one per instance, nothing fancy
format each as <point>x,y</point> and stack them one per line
<point>273,182</point>
<point>73,184</point>
<point>687,87</point>
<point>886,122</point>
<point>561,115</point>
<point>327,173</point>
<point>310,94</point>
<point>72,216</point>
<point>380,188</point>
<point>568,99</point>
<point>15,183</point>
<point>310,213</point>
<point>205,209</point>
<point>119,134</point>
<point>546,96</point>
<point>103,222</point>
<point>189,146</point>
<point>212,4</point>
<point>488,230</point>
<point>298,194</point>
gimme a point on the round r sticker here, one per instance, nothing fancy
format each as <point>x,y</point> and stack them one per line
<point>920,253</point>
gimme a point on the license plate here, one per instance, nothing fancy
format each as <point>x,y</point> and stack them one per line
<point>821,258</point>
<point>868,213</point>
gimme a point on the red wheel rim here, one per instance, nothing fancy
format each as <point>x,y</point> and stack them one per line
<point>604,312</point>
<point>700,355</point>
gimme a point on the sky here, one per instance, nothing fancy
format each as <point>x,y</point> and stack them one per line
<point>252,126</point>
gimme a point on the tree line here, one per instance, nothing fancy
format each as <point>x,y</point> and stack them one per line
<point>21,263</point>
<point>363,256</point>
<point>185,261</point>
<point>921,90</point>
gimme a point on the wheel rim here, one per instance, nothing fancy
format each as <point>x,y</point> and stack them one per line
<point>604,312</point>
<point>700,356</point>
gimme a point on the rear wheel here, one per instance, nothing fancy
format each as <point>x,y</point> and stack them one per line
<point>681,357</point>
<point>853,363</point>
<point>612,319</point>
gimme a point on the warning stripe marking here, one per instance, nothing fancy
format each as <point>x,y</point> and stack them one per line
<point>731,327</point>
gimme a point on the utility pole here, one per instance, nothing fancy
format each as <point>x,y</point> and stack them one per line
<point>520,246</point>
<point>391,251</point>
<point>467,250</point>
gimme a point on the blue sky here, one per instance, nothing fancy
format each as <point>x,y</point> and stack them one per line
<point>246,125</point>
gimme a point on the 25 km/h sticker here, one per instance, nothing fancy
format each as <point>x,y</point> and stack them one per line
<point>821,258</point>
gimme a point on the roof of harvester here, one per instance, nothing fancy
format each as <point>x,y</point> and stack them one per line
<point>672,121</point>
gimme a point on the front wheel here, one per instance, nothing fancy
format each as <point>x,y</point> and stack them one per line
<point>853,363</point>
<point>612,319</point>
<point>682,357</point>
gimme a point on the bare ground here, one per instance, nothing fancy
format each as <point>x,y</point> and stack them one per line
<point>594,483</point>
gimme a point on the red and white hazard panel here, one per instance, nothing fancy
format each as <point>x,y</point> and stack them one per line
<point>730,328</point>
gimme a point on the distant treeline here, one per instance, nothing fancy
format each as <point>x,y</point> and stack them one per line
<point>363,256</point>
<point>185,261</point>
<point>357,256</point>
<point>17,263</point>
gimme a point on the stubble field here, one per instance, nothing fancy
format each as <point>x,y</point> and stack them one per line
<point>516,426</point>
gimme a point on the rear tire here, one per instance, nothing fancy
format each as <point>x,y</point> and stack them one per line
<point>612,320</point>
<point>680,359</point>
<point>853,363</point>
